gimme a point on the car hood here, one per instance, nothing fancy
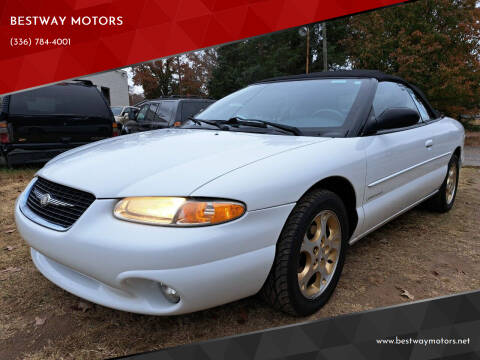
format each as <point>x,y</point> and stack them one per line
<point>171,162</point>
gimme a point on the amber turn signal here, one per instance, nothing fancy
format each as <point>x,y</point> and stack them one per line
<point>195,212</point>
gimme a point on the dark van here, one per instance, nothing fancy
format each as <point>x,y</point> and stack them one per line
<point>39,124</point>
<point>165,112</point>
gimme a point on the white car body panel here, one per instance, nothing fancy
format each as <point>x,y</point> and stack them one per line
<point>120,264</point>
<point>197,262</point>
<point>267,183</point>
<point>406,167</point>
<point>393,161</point>
<point>170,162</point>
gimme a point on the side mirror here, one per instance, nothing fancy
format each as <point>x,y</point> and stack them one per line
<point>126,116</point>
<point>394,118</point>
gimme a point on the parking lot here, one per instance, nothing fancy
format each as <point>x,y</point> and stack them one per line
<point>419,255</point>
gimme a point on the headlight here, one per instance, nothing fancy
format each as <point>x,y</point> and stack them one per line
<point>177,211</point>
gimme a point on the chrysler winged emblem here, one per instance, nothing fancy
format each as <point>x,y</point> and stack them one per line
<point>47,199</point>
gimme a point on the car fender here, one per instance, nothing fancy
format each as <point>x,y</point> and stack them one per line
<point>286,177</point>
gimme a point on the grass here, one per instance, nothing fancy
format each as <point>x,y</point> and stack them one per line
<point>425,253</point>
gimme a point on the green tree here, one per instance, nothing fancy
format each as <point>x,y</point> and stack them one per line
<point>337,52</point>
<point>432,43</point>
<point>242,63</point>
<point>279,54</point>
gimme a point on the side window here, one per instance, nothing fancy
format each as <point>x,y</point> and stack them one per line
<point>142,113</point>
<point>151,112</point>
<point>421,107</point>
<point>392,95</point>
<point>191,108</point>
<point>133,112</point>
<point>164,112</point>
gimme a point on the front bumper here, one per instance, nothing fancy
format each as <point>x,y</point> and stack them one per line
<point>15,154</point>
<point>120,264</point>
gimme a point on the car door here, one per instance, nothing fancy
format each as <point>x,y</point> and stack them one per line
<point>149,122</point>
<point>140,118</point>
<point>132,112</point>
<point>398,173</point>
<point>439,144</point>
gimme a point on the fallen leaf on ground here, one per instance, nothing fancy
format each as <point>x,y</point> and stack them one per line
<point>9,248</point>
<point>11,269</point>
<point>9,231</point>
<point>40,320</point>
<point>406,294</point>
<point>81,306</point>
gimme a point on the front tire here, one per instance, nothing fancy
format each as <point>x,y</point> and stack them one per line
<point>310,255</point>
<point>443,200</point>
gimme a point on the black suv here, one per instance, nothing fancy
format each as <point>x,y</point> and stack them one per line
<point>165,112</point>
<point>39,124</point>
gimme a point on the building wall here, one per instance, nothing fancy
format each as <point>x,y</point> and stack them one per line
<point>116,81</point>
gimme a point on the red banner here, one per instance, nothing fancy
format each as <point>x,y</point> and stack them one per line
<point>47,41</point>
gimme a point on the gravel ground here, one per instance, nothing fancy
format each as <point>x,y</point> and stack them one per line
<point>423,253</point>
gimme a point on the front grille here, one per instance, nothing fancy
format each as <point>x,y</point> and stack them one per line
<point>64,205</point>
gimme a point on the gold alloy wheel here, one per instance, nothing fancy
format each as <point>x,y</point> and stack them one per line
<point>319,254</point>
<point>451,183</point>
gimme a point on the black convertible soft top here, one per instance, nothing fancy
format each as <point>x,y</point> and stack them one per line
<point>372,74</point>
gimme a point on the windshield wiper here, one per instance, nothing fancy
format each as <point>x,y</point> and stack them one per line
<point>263,124</point>
<point>212,123</point>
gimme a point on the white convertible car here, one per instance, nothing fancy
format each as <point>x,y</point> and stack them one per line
<point>262,192</point>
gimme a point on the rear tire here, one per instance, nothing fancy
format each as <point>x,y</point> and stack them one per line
<point>310,255</point>
<point>444,199</point>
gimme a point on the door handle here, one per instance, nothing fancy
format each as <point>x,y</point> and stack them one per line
<point>429,143</point>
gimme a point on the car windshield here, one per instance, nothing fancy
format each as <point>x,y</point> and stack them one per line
<point>116,110</point>
<point>307,104</point>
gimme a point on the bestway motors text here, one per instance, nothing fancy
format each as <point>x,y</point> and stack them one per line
<point>66,20</point>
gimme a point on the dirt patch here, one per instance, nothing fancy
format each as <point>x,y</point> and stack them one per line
<point>424,253</point>
<point>39,332</point>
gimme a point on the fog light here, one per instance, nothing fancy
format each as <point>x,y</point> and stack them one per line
<point>170,293</point>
